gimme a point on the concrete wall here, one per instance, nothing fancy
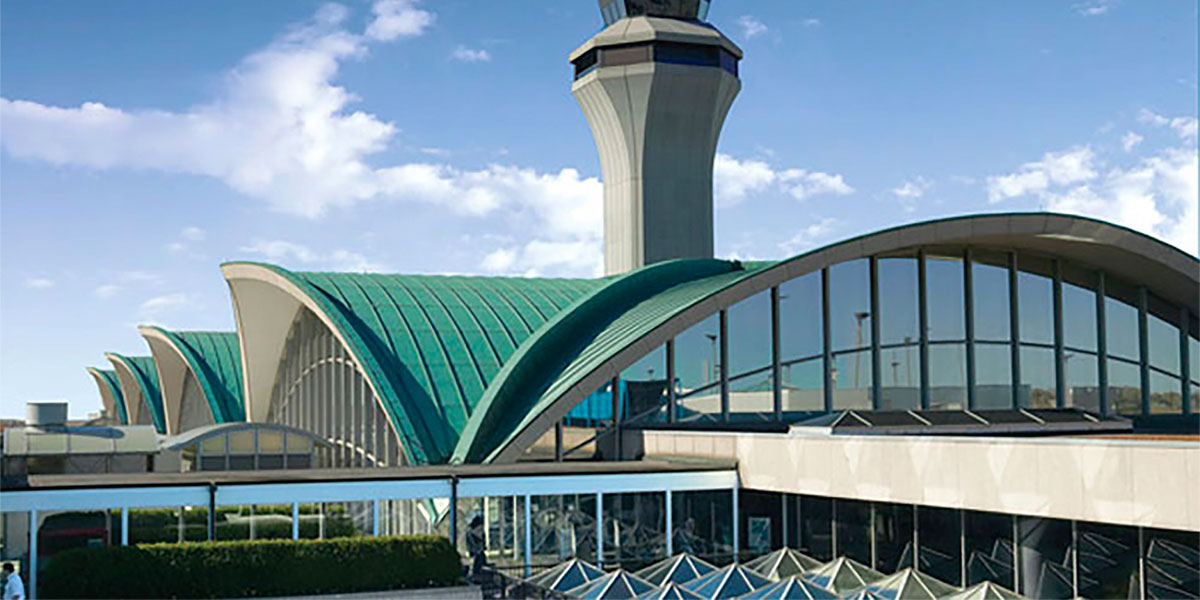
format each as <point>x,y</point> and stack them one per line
<point>1147,483</point>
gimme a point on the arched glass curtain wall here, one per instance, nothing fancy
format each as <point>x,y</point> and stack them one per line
<point>938,327</point>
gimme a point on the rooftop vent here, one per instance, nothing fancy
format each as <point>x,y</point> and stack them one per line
<point>46,414</point>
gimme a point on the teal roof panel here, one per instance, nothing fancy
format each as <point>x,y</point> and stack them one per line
<point>146,374</point>
<point>215,357</point>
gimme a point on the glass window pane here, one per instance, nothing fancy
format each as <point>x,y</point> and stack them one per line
<point>563,526</point>
<point>1079,317</point>
<point>800,327</point>
<point>899,320</point>
<point>893,537</point>
<point>1082,372</point>
<point>853,530</point>
<point>939,548</point>
<point>702,524</point>
<point>1124,387</point>
<point>1121,326</point>
<point>851,379</point>
<point>1164,344</point>
<point>850,305</point>
<point>1036,308</point>
<point>993,376</point>
<point>816,527</point>
<point>944,295</point>
<point>989,546</point>
<point>1045,555</point>
<point>901,379</point>
<point>1165,395</point>
<point>1108,561</point>
<point>1037,378</point>
<point>752,395</point>
<point>697,372</point>
<point>947,376</point>
<point>750,334</point>
<point>241,442</point>
<point>644,384</point>
<point>634,527</point>
<point>1194,358</point>
<point>990,294</point>
<point>761,528</point>
<point>803,385</point>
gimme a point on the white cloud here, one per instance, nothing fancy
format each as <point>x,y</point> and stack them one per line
<point>465,54</point>
<point>107,290</point>
<point>154,307</point>
<point>913,189</point>
<point>751,26</point>
<point>809,236</point>
<point>39,283</point>
<point>1094,8</point>
<point>802,184</point>
<point>1184,127</point>
<point>192,234</point>
<point>290,253</point>
<point>1156,194</point>
<point>1130,140</point>
<point>812,22</point>
<point>1055,168</point>
<point>398,18</point>
<point>735,179</point>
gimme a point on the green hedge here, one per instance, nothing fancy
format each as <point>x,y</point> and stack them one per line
<point>252,569</point>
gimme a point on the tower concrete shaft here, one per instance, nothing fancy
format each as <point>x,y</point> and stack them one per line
<point>655,91</point>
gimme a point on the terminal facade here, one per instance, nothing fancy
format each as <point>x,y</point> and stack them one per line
<point>1003,397</point>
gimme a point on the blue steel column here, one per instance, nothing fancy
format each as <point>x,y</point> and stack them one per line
<point>1185,360</point>
<point>1102,343</point>
<point>736,525</point>
<point>670,525</point>
<point>876,362</point>
<point>528,537</point>
<point>776,384</point>
<point>616,416</point>
<point>969,314</point>
<point>124,526</point>
<point>723,371</point>
<point>1014,317</point>
<point>827,359</point>
<point>33,551</point>
<point>1060,370</point>
<point>295,521</point>
<point>599,529</point>
<point>923,317</point>
<point>1144,348</point>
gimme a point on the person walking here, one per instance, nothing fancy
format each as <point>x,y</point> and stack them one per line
<point>14,588</point>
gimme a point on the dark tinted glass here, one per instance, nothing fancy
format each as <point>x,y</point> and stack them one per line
<point>850,305</point>
<point>944,283</point>
<point>893,537</point>
<point>898,318</point>
<point>989,276</point>
<point>1045,555</point>
<point>854,530</point>
<point>989,546</point>
<point>993,376</point>
<point>1037,377</point>
<point>1108,561</point>
<point>939,549</point>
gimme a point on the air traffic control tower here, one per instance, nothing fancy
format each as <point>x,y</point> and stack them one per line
<point>655,86</point>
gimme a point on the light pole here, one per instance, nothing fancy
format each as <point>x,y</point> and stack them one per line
<point>712,338</point>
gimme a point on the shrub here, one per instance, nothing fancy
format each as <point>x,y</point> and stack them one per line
<point>252,568</point>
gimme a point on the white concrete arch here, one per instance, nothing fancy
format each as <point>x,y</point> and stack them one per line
<point>107,398</point>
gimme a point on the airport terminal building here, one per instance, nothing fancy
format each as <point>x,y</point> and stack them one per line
<point>1000,397</point>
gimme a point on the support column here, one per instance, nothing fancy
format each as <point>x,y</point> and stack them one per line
<point>375,518</point>
<point>827,359</point>
<point>33,549</point>
<point>783,523</point>
<point>453,511</point>
<point>723,371</point>
<point>1144,347</point>
<point>1141,562</point>
<point>600,529</point>
<point>558,441</point>
<point>923,336</point>
<point>1014,319</point>
<point>1185,360</point>
<point>776,384</point>
<point>295,520</point>
<point>876,358</point>
<point>528,537</point>
<point>736,520</point>
<point>1060,364</point>
<point>669,515</point>
<point>1101,343</point>
<point>124,526</point>
<point>671,401</point>
<point>969,322</point>
<point>616,416</point>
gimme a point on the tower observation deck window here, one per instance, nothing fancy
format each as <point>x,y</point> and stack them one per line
<point>675,53</point>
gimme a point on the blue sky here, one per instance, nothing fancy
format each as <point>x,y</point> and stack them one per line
<point>146,142</point>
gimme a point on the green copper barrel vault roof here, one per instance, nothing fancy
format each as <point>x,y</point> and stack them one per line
<point>146,375</point>
<point>215,357</point>
<point>431,344</point>
<point>108,378</point>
